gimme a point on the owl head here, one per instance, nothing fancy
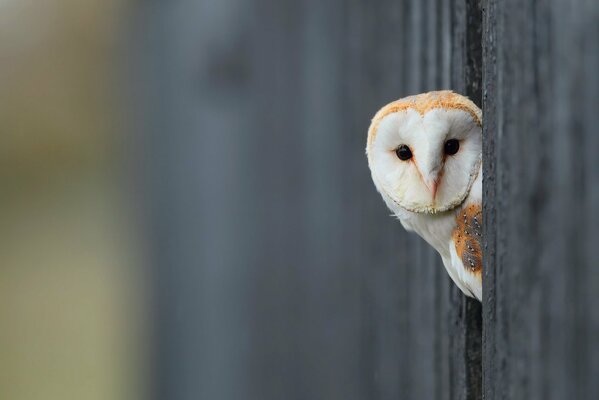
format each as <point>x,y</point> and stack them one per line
<point>424,151</point>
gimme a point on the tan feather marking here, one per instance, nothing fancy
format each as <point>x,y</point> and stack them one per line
<point>467,237</point>
<point>423,103</point>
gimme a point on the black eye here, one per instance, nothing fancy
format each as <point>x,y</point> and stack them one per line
<point>403,152</point>
<point>452,146</point>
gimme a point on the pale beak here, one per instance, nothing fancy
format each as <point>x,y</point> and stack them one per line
<point>432,185</point>
<point>430,167</point>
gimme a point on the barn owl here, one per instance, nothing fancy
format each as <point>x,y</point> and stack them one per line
<point>424,154</point>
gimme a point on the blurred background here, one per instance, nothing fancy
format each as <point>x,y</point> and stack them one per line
<point>186,206</point>
<point>72,281</point>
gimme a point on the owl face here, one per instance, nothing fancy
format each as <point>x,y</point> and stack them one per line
<point>425,151</point>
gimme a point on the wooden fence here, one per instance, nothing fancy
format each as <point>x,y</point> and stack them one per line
<point>279,273</point>
<point>541,321</point>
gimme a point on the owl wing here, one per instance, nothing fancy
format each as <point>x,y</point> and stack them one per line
<point>466,251</point>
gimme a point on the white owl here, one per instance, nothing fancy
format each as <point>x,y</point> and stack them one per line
<point>424,154</point>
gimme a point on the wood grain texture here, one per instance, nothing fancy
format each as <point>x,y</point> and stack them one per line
<point>280,274</point>
<point>541,180</point>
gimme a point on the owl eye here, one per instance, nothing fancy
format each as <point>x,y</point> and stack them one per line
<point>403,152</point>
<point>452,146</point>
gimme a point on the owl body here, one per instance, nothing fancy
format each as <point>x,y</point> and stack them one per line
<point>438,231</point>
<point>425,155</point>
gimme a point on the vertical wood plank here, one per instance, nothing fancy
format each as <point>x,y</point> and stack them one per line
<point>279,272</point>
<point>541,277</point>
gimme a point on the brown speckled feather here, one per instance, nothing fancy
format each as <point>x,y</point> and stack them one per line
<point>467,237</point>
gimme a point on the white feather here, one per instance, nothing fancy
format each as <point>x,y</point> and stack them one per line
<point>402,183</point>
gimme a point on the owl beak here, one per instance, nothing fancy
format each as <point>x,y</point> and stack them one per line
<point>432,184</point>
<point>430,168</point>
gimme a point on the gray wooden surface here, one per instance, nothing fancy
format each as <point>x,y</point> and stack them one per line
<point>541,279</point>
<point>278,271</point>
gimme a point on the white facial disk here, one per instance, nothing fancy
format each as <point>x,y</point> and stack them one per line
<point>425,163</point>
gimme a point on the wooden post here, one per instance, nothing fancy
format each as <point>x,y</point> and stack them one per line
<point>279,272</point>
<point>541,279</point>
